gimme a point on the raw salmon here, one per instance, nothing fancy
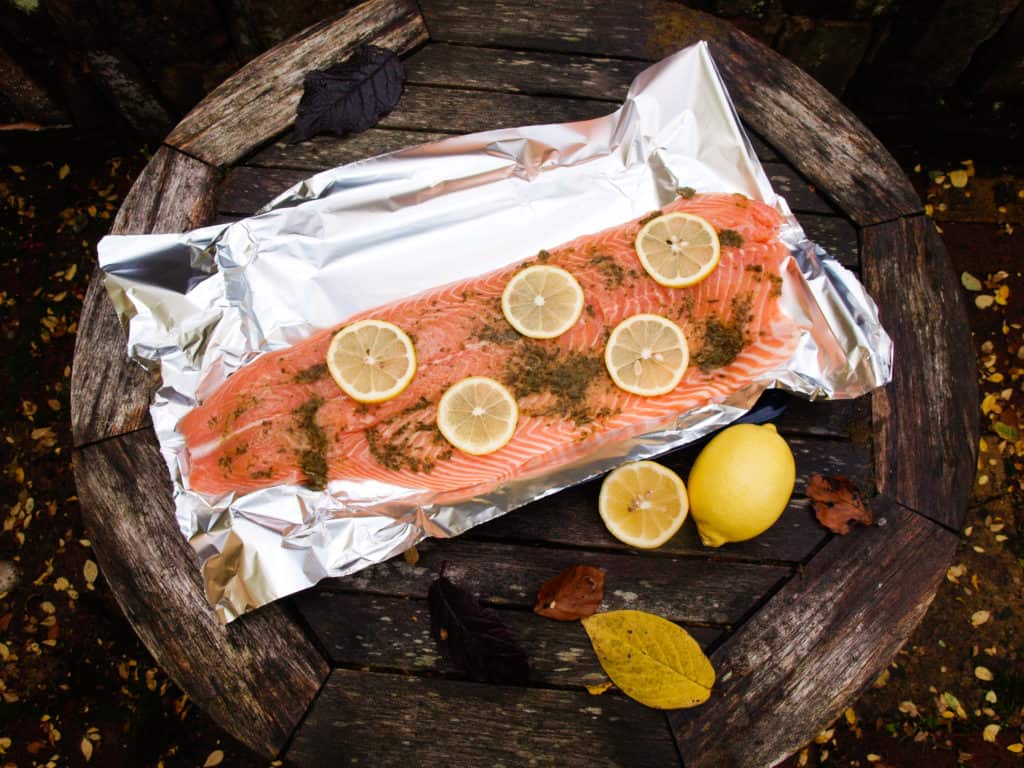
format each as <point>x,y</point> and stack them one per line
<point>282,419</point>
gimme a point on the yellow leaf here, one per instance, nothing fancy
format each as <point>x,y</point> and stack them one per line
<point>597,690</point>
<point>215,758</point>
<point>411,555</point>
<point>990,732</point>
<point>1018,747</point>
<point>651,659</point>
<point>90,571</point>
<point>85,745</point>
<point>980,617</point>
<point>63,174</point>
<point>983,673</point>
<point>958,178</point>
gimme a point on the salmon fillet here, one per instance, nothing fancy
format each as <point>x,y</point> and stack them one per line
<point>282,418</point>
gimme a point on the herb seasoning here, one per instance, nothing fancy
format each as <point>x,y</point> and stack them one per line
<point>311,374</point>
<point>730,238</point>
<point>723,341</point>
<point>537,369</point>
<point>313,459</point>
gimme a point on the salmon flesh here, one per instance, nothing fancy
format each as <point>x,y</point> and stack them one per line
<point>282,418</point>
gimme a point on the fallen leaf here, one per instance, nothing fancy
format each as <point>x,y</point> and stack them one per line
<point>970,282</point>
<point>215,758</point>
<point>411,555</point>
<point>574,593</point>
<point>651,659</point>
<point>474,637</point>
<point>90,571</point>
<point>980,617</point>
<point>63,174</point>
<point>349,97</point>
<point>990,732</point>
<point>984,301</point>
<point>958,178</point>
<point>86,746</point>
<point>597,690</point>
<point>1016,748</point>
<point>983,673</point>
<point>837,503</point>
<point>909,708</point>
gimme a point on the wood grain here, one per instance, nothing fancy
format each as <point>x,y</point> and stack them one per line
<point>393,634</point>
<point>831,147</point>
<point>323,152</point>
<point>926,420</point>
<point>390,720</point>
<point>127,505</point>
<point>790,670</point>
<point>109,393</point>
<point>682,589</point>
<point>258,102</point>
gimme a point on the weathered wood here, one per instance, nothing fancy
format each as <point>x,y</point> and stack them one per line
<point>688,590</point>
<point>571,517</point>
<point>245,190</point>
<point>393,634</point>
<point>790,670</point>
<point>110,393</point>
<point>836,235</point>
<point>831,147</point>
<point>388,720</point>
<point>323,152</point>
<point>127,505</point>
<point>926,420</point>
<point>259,101</point>
<point>801,195</point>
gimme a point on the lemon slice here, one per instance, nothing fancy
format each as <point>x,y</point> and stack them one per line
<point>477,415</point>
<point>372,360</point>
<point>643,504</point>
<point>542,302</point>
<point>646,355</point>
<point>678,249</point>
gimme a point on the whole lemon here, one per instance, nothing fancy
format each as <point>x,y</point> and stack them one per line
<point>740,483</point>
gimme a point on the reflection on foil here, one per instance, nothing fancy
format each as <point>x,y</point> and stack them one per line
<point>200,305</point>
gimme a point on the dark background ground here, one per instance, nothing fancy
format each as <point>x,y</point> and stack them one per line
<point>78,688</point>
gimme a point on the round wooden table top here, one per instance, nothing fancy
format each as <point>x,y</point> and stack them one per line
<point>796,622</point>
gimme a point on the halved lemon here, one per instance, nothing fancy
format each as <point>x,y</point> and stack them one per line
<point>371,360</point>
<point>477,415</point>
<point>643,504</point>
<point>542,302</point>
<point>678,249</point>
<point>647,355</point>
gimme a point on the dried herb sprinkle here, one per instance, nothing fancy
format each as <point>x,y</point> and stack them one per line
<point>723,341</point>
<point>730,238</point>
<point>313,458</point>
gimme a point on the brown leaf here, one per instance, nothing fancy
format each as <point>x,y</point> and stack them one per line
<point>573,594</point>
<point>837,503</point>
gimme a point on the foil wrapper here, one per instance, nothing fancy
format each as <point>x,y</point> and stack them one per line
<point>200,305</point>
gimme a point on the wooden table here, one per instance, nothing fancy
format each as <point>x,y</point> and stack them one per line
<point>797,622</point>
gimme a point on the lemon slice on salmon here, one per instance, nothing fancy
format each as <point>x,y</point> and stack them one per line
<point>542,302</point>
<point>678,249</point>
<point>371,360</point>
<point>647,355</point>
<point>643,504</point>
<point>477,415</point>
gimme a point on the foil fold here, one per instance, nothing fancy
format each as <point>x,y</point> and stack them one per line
<point>200,305</point>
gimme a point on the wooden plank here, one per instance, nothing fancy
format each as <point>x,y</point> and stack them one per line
<point>836,235</point>
<point>688,590</point>
<point>393,634</point>
<point>323,152</point>
<point>258,101</point>
<point>110,393</point>
<point>571,518</point>
<point>801,195</point>
<point>153,572</point>
<point>390,720</point>
<point>831,147</point>
<point>926,420</point>
<point>792,668</point>
<point>848,419</point>
<point>245,190</point>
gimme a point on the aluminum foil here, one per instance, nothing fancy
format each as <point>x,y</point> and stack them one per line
<point>200,305</point>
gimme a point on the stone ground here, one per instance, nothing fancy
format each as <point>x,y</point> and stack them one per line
<point>78,688</point>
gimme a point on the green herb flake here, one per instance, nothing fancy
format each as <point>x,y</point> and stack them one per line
<point>311,374</point>
<point>730,238</point>
<point>686,192</point>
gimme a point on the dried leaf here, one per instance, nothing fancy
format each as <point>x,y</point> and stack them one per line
<point>90,571</point>
<point>349,97</point>
<point>215,758</point>
<point>474,637</point>
<point>63,174</point>
<point>980,617</point>
<point>958,178</point>
<point>597,690</point>
<point>990,732</point>
<point>86,746</point>
<point>970,282</point>
<point>983,673</point>
<point>651,659</point>
<point>837,503</point>
<point>574,593</point>
<point>411,555</point>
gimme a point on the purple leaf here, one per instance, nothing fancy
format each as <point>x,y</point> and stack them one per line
<point>473,636</point>
<point>351,96</point>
